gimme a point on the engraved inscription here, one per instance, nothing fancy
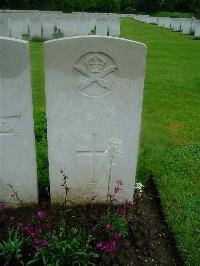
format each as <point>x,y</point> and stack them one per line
<point>95,68</point>
<point>8,125</point>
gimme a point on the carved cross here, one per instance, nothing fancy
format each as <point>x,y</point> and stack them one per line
<point>94,153</point>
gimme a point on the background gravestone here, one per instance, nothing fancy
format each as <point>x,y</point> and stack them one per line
<point>17,147</point>
<point>94,91</point>
<point>197,29</point>
<point>35,26</point>
<point>102,27</point>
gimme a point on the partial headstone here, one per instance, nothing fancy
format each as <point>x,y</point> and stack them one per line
<point>160,22</point>
<point>176,24</point>
<point>197,29</point>
<point>94,91</point>
<point>167,23</point>
<point>84,27</point>
<point>186,25</point>
<point>17,144</point>
<point>16,27</point>
<point>68,25</point>
<point>193,23</point>
<point>48,27</point>
<point>114,28</point>
<point>4,25</point>
<point>35,27</point>
<point>102,27</point>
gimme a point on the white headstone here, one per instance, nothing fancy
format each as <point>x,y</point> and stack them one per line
<point>16,27</point>
<point>48,25</point>
<point>68,25</point>
<point>84,27</point>
<point>17,147</point>
<point>94,91</point>
<point>186,25</point>
<point>4,25</point>
<point>35,27</point>
<point>160,22</point>
<point>167,23</point>
<point>114,28</point>
<point>102,27</point>
<point>176,24</point>
<point>197,29</point>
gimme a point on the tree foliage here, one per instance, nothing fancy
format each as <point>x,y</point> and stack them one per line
<point>123,6</point>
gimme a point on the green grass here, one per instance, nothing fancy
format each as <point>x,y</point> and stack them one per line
<point>37,70</point>
<point>174,14</point>
<point>170,148</point>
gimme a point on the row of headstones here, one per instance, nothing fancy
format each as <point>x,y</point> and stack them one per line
<point>185,25</point>
<point>94,90</point>
<point>44,26</point>
<point>29,11</point>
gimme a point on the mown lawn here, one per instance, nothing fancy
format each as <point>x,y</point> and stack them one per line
<point>170,139</point>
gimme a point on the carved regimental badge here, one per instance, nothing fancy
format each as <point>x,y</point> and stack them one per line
<point>95,69</point>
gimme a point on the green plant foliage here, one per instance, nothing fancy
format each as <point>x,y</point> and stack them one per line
<point>57,35</point>
<point>11,250</point>
<point>66,247</point>
<point>117,224</point>
<point>37,39</point>
<point>42,150</point>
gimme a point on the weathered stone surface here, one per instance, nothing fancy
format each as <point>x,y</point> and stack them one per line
<point>114,28</point>
<point>35,27</point>
<point>17,147</point>
<point>94,91</point>
<point>102,27</point>
<point>176,24</point>
<point>197,28</point>
<point>186,25</point>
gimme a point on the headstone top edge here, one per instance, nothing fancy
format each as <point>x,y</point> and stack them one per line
<point>13,39</point>
<point>95,37</point>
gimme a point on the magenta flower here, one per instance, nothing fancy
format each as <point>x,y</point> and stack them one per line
<point>110,246</point>
<point>41,214</point>
<point>128,203</point>
<point>38,231</point>
<point>2,207</point>
<point>110,194</point>
<point>122,212</point>
<point>12,218</point>
<point>108,226</point>
<point>99,245</point>
<point>117,236</point>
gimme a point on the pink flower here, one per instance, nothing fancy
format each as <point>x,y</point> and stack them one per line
<point>107,246</point>
<point>41,214</point>
<point>38,231</point>
<point>128,203</point>
<point>117,236</point>
<point>110,194</point>
<point>2,207</point>
<point>12,218</point>
<point>99,245</point>
<point>110,246</point>
<point>122,212</point>
<point>108,226</point>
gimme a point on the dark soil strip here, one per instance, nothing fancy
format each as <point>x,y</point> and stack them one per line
<point>149,241</point>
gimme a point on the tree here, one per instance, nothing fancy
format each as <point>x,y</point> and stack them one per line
<point>149,6</point>
<point>195,7</point>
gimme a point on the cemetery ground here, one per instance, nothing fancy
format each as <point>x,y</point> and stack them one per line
<point>170,151</point>
<point>169,155</point>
